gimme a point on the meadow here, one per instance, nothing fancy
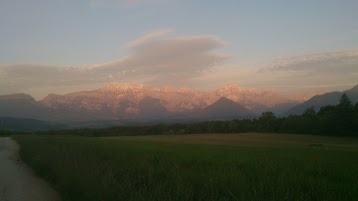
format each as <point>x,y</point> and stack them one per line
<point>196,167</point>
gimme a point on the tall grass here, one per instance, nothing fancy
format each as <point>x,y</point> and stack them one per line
<point>89,169</point>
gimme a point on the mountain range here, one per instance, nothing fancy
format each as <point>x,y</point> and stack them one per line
<point>318,101</point>
<point>130,102</point>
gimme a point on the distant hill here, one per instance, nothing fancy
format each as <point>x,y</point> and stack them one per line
<point>21,105</point>
<point>25,124</point>
<point>319,101</point>
<point>226,109</point>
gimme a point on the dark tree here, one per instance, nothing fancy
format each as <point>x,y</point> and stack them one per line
<point>345,104</point>
<point>310,112</point>
<point>345,115</point>
<point>325,110</point>
<point>265,116</point>
<point>267,122</point>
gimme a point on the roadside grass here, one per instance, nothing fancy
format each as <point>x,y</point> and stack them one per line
<point>196,167</point>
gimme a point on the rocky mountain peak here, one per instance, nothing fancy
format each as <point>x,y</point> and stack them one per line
<point>236,89</point>
<point>123,87</point>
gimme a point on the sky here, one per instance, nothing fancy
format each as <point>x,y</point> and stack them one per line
<point>50,46</point>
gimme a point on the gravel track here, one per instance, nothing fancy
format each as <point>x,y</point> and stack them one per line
<point>17,180</point>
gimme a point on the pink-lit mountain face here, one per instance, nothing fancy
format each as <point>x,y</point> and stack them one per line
<point>133,100</point>
<point>121,104</point>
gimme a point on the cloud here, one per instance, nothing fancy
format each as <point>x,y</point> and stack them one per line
<point>164,60</point>
<point>319,71</point>
<point>320,62</point>
<point>155,58</point>
<point>152,36</point>
<point>22,77</point>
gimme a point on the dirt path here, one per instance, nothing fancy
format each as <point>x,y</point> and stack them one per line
<point>17,181</point>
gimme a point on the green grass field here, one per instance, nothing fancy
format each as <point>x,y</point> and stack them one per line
<point>196,167</point>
